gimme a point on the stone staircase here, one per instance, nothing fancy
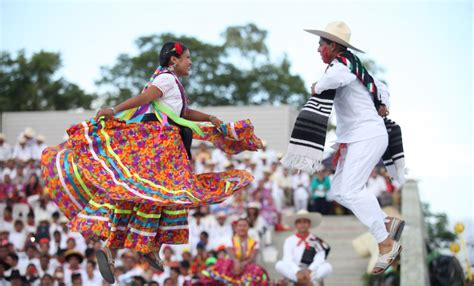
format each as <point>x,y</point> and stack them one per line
<point>338,232</point>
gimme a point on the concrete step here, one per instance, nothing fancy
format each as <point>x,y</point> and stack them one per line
<point>338,232</point>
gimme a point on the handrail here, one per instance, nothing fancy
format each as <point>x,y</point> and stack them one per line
<point>414,269</point>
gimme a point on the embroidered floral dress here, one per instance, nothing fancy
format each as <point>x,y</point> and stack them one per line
<point>130,182</point>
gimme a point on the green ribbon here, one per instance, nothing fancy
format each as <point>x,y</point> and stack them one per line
<point>158,106</point>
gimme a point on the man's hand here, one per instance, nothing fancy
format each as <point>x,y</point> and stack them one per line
<point>312,88</point>
<point>383,111</point>
<point>300,275</point>
<point>304,276</point>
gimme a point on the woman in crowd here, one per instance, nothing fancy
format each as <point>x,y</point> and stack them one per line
<point>240,268</point>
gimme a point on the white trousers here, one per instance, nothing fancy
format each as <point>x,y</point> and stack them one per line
<point>349,183</point>
<point>318,273</point>
<point>301,203</point>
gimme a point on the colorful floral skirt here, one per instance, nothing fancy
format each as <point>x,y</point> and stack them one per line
<point>131,184</point>
<point>223,271</point>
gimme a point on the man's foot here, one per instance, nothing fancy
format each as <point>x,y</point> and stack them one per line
<point>389,250</point>
<point>394,227</point>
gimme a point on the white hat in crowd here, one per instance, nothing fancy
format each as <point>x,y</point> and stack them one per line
<point>254,205</point>
<point>29,132</point>
<point>314,217</point>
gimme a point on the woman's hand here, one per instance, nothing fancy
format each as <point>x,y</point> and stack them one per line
<point>215,121</point>
<point>107,112</point>
<point>237,267</point>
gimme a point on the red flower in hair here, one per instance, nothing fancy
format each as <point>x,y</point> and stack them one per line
<point>178,48</point>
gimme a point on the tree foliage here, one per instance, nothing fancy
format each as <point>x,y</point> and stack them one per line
<point>32,84</point>
<point>437,228</point>
<point>238,72</point>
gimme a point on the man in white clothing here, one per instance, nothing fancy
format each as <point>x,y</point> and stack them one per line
<point>39,147</point>
<point>220,231</point>
<point>5,151</point>
<point>304,254</point>
<point>376,184</point>
<point>361,135</point>
<point>22,152</point>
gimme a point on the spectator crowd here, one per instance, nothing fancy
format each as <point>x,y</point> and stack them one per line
<point>37,248</point>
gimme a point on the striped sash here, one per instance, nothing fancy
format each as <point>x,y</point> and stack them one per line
<point>305,151</point>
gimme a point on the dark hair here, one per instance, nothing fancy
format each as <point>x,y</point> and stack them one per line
<point>75,276</point>
<point>32,264</point>
<point>13,256</point>
<point>30,189</point>
<point>89,252</point>
<point>170,49</point>
<point>341,47</point>
<point>246,219</point>
<point>185,264</point>
<point>205,234</point>
<point>91,262</point>
<point>46,276</point>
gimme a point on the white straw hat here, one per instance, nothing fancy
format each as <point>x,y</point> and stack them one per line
<point>29,132</point>
<point>338,32</point>
<point>314,217</point>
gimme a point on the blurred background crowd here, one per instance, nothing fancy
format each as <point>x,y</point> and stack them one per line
<point>37,248</point>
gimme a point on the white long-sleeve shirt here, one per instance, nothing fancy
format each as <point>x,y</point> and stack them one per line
<point>22,153</point>
<point>292,253</point>
<point>219,234</point>
<point>356,116</point>
<point>5,152</point>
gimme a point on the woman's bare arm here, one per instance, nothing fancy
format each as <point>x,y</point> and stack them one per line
<point>147,96</point>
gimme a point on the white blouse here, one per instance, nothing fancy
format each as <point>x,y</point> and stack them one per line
<point>171,97</point>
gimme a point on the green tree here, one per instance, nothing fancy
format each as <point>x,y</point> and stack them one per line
<point>32,84</point>
<point>437,228</point>
<point>238,72</point>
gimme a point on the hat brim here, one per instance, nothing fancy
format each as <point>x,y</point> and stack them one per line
<point>314,217</point>
<point>22,278</point>
<point>333,38</point>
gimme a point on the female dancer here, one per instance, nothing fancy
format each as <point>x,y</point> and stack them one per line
<point>131,183</point>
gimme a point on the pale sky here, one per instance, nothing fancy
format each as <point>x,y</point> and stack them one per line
<point>425,48</point>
